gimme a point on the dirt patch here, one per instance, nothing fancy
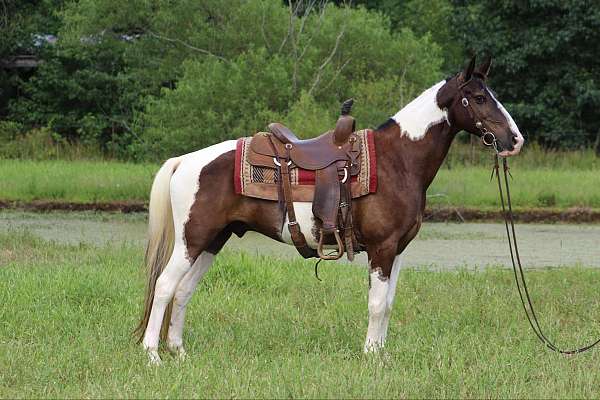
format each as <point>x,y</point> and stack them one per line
<point>570,215</point>
<point>44,206</point>
<point>438,214</point>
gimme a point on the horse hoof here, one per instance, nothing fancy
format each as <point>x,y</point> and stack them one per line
<point>178,351</point>
<point>181,354</point>
<point>372,347</point>
<point>154,358</point>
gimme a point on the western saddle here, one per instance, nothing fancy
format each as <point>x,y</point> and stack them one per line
<point>333,156</point>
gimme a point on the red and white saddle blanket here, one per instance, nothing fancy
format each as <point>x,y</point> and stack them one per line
<point>261,182</point>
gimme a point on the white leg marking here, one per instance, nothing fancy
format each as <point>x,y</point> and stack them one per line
<point>391,294</point>
<point>377,305</point>
<point>183,294</point>
<point>168,280</point>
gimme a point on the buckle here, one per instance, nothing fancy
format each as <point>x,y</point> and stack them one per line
<point>488,138</point>
<point>279,164</point>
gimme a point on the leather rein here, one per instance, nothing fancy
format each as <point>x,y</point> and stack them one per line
<point>489,139</point>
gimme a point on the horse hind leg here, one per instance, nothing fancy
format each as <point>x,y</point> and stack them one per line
<point>183,294</point>
<point>164,291</point>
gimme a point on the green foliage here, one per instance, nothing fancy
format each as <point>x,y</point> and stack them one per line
<point>432,17</point>
<point>547,70</point>
<point>216,99</point>
<point>149,79</point>
<point>22,20</point>
<point>79,93</point>
<point>308,116</point>
<point>154,79</point>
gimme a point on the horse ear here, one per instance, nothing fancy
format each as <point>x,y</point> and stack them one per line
<point>468,71</point>
<point>484,69</point>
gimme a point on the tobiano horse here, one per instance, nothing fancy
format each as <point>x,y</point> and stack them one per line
<point>194,209</point>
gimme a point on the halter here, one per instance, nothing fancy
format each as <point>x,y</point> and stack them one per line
<point>488,138</point>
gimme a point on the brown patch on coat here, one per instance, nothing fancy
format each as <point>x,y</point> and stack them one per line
<point>384,222</point>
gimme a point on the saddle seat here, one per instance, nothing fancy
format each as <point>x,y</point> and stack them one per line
<point>322,151</point>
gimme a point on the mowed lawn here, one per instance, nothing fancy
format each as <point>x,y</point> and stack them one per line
<point>263,327</point>
<point>97,181</point>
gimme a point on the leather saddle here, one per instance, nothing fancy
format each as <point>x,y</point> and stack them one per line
<point>333,156</point>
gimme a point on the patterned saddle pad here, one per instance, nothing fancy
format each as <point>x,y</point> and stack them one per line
<point>262,182</point>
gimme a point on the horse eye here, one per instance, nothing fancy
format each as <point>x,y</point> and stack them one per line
<point>480,99</point>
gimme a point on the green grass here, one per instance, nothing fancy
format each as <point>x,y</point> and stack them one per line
<point>98,181</point>
<point>554,188</point>
<point>75,181</point>
<point>532,156</point>
<point>262,327</point>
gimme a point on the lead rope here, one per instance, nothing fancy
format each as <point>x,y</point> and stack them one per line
<point>508,217</point>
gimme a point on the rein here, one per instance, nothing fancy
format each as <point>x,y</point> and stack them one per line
<point>489,139</point>
<point>516,259</point>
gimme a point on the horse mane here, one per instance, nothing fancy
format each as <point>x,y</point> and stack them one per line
<point>386,124</point>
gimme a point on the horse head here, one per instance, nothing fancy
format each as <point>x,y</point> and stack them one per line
<point>472,106</point>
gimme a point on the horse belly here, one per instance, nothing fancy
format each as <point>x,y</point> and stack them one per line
<point>306,221</point>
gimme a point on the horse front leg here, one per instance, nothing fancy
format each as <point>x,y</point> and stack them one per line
<point>391,293</point>
<point>380,268</point>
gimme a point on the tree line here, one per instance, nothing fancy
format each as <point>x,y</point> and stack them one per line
<point>150,79</point>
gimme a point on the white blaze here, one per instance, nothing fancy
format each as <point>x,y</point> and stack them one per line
<point>513,128</point>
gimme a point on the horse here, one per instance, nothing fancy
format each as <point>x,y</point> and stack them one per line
<point>194,209</point>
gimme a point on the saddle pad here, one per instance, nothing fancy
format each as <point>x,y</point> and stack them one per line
<point>261,182</point>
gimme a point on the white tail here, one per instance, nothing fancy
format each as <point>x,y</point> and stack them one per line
<point>161,235</point>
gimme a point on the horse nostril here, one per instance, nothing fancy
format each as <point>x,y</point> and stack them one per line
<point>514,140</point>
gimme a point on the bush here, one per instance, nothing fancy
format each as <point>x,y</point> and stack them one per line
<point>44,144</point>
<point>217,100</point>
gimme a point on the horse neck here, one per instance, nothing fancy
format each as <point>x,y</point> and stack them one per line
<point>405,158</point>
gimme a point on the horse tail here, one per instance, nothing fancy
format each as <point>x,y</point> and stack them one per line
<point>161,237</point>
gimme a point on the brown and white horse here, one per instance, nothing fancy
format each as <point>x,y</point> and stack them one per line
<point>194,209</point>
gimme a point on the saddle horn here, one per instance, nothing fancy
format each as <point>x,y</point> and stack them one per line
<point>347,106</point>
<point>345,125</point>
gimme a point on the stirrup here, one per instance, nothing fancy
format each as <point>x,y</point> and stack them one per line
<point>340,244</point>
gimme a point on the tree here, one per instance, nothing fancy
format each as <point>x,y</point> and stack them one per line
<point>434,18</point>
<point>547,70</point>
<point>152,79</point>
<point>321,57</point>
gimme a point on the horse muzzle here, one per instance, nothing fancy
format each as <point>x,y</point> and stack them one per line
<point>518,142</point>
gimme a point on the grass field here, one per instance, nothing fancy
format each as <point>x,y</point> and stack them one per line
<point>95,181</point>
<point>261,327</point>
<point>75,181</point>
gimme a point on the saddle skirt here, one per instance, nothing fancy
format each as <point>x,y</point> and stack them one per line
<point>256,174</point>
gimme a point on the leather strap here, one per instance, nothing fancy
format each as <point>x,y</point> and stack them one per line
<point>297,236</point>
<point>346,216</point>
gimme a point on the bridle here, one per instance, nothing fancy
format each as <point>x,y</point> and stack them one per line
<point>489,139</point>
